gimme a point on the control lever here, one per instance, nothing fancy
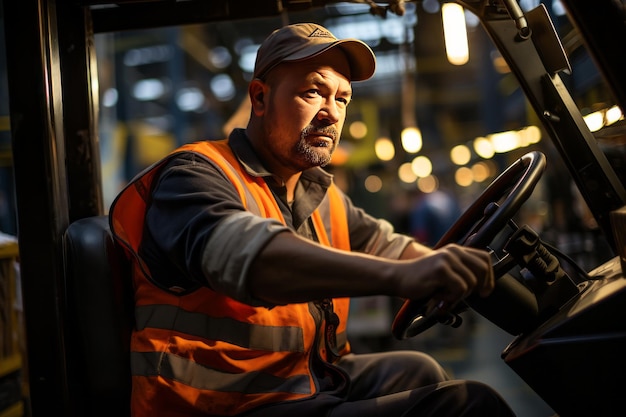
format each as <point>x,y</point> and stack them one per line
<point>526,247</point>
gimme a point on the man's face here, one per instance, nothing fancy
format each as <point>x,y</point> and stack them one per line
<point>306,110</point>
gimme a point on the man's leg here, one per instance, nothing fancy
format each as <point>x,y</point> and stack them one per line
<point>412,384</point>
<point>396,384</point>
<point>377,374</point>
<point>453,398</point>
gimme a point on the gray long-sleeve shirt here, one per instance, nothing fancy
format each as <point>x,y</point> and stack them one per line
<point>198,232</point>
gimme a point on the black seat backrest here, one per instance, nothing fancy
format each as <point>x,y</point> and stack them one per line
<point>99,313</point>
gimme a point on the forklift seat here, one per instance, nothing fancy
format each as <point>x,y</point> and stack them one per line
<point>99,313</point>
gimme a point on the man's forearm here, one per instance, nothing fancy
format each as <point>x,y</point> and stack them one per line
<point>291,269</point>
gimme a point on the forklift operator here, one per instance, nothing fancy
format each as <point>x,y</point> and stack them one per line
<point>245,254</point>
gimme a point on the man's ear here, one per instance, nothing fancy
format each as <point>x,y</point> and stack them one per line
<point>256,91</point>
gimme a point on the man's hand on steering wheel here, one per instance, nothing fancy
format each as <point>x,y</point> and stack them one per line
<point>450,274</point>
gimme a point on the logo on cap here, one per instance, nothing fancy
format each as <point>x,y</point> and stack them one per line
<point>318,33</point>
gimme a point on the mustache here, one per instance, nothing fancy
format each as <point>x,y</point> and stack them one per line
<point>329,131</point>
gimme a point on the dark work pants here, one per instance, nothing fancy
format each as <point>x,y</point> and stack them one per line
<point>397,384</point>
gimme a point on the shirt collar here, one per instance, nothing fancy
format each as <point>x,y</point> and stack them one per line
<point>243,150</point>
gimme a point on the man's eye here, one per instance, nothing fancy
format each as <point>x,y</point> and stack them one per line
<point>313,92</point>
<point>344,101</point>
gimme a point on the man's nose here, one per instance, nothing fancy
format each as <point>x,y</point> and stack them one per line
<point>330,112</point>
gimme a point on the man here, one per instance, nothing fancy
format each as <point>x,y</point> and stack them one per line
<point>244,252</point>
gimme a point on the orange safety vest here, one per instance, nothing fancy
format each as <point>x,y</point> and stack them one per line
<point>202,350</point>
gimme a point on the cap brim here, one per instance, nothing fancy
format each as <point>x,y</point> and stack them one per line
<point>360,56</point>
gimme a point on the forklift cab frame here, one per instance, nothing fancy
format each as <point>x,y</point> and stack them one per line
<point>67,254</point>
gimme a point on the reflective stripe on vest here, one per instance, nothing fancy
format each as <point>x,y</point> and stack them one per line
<point>204,347</point>
<point>177,368</point>
<point>226,329</point>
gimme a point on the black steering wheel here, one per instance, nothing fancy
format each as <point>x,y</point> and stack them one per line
<point>511,305</point>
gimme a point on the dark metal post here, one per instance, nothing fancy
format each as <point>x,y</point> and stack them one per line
<point>80,108</point>
<point>36,113</point>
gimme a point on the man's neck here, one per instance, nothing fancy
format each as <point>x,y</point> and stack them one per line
<point>290,184</point>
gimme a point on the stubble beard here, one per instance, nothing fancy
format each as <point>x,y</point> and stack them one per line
<point>316,154</point>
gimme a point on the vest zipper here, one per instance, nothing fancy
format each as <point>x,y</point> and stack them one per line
<point>327,321</point>
<point>330,323</point>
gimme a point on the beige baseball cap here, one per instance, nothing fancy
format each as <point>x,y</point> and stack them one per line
<point>301,41</point>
